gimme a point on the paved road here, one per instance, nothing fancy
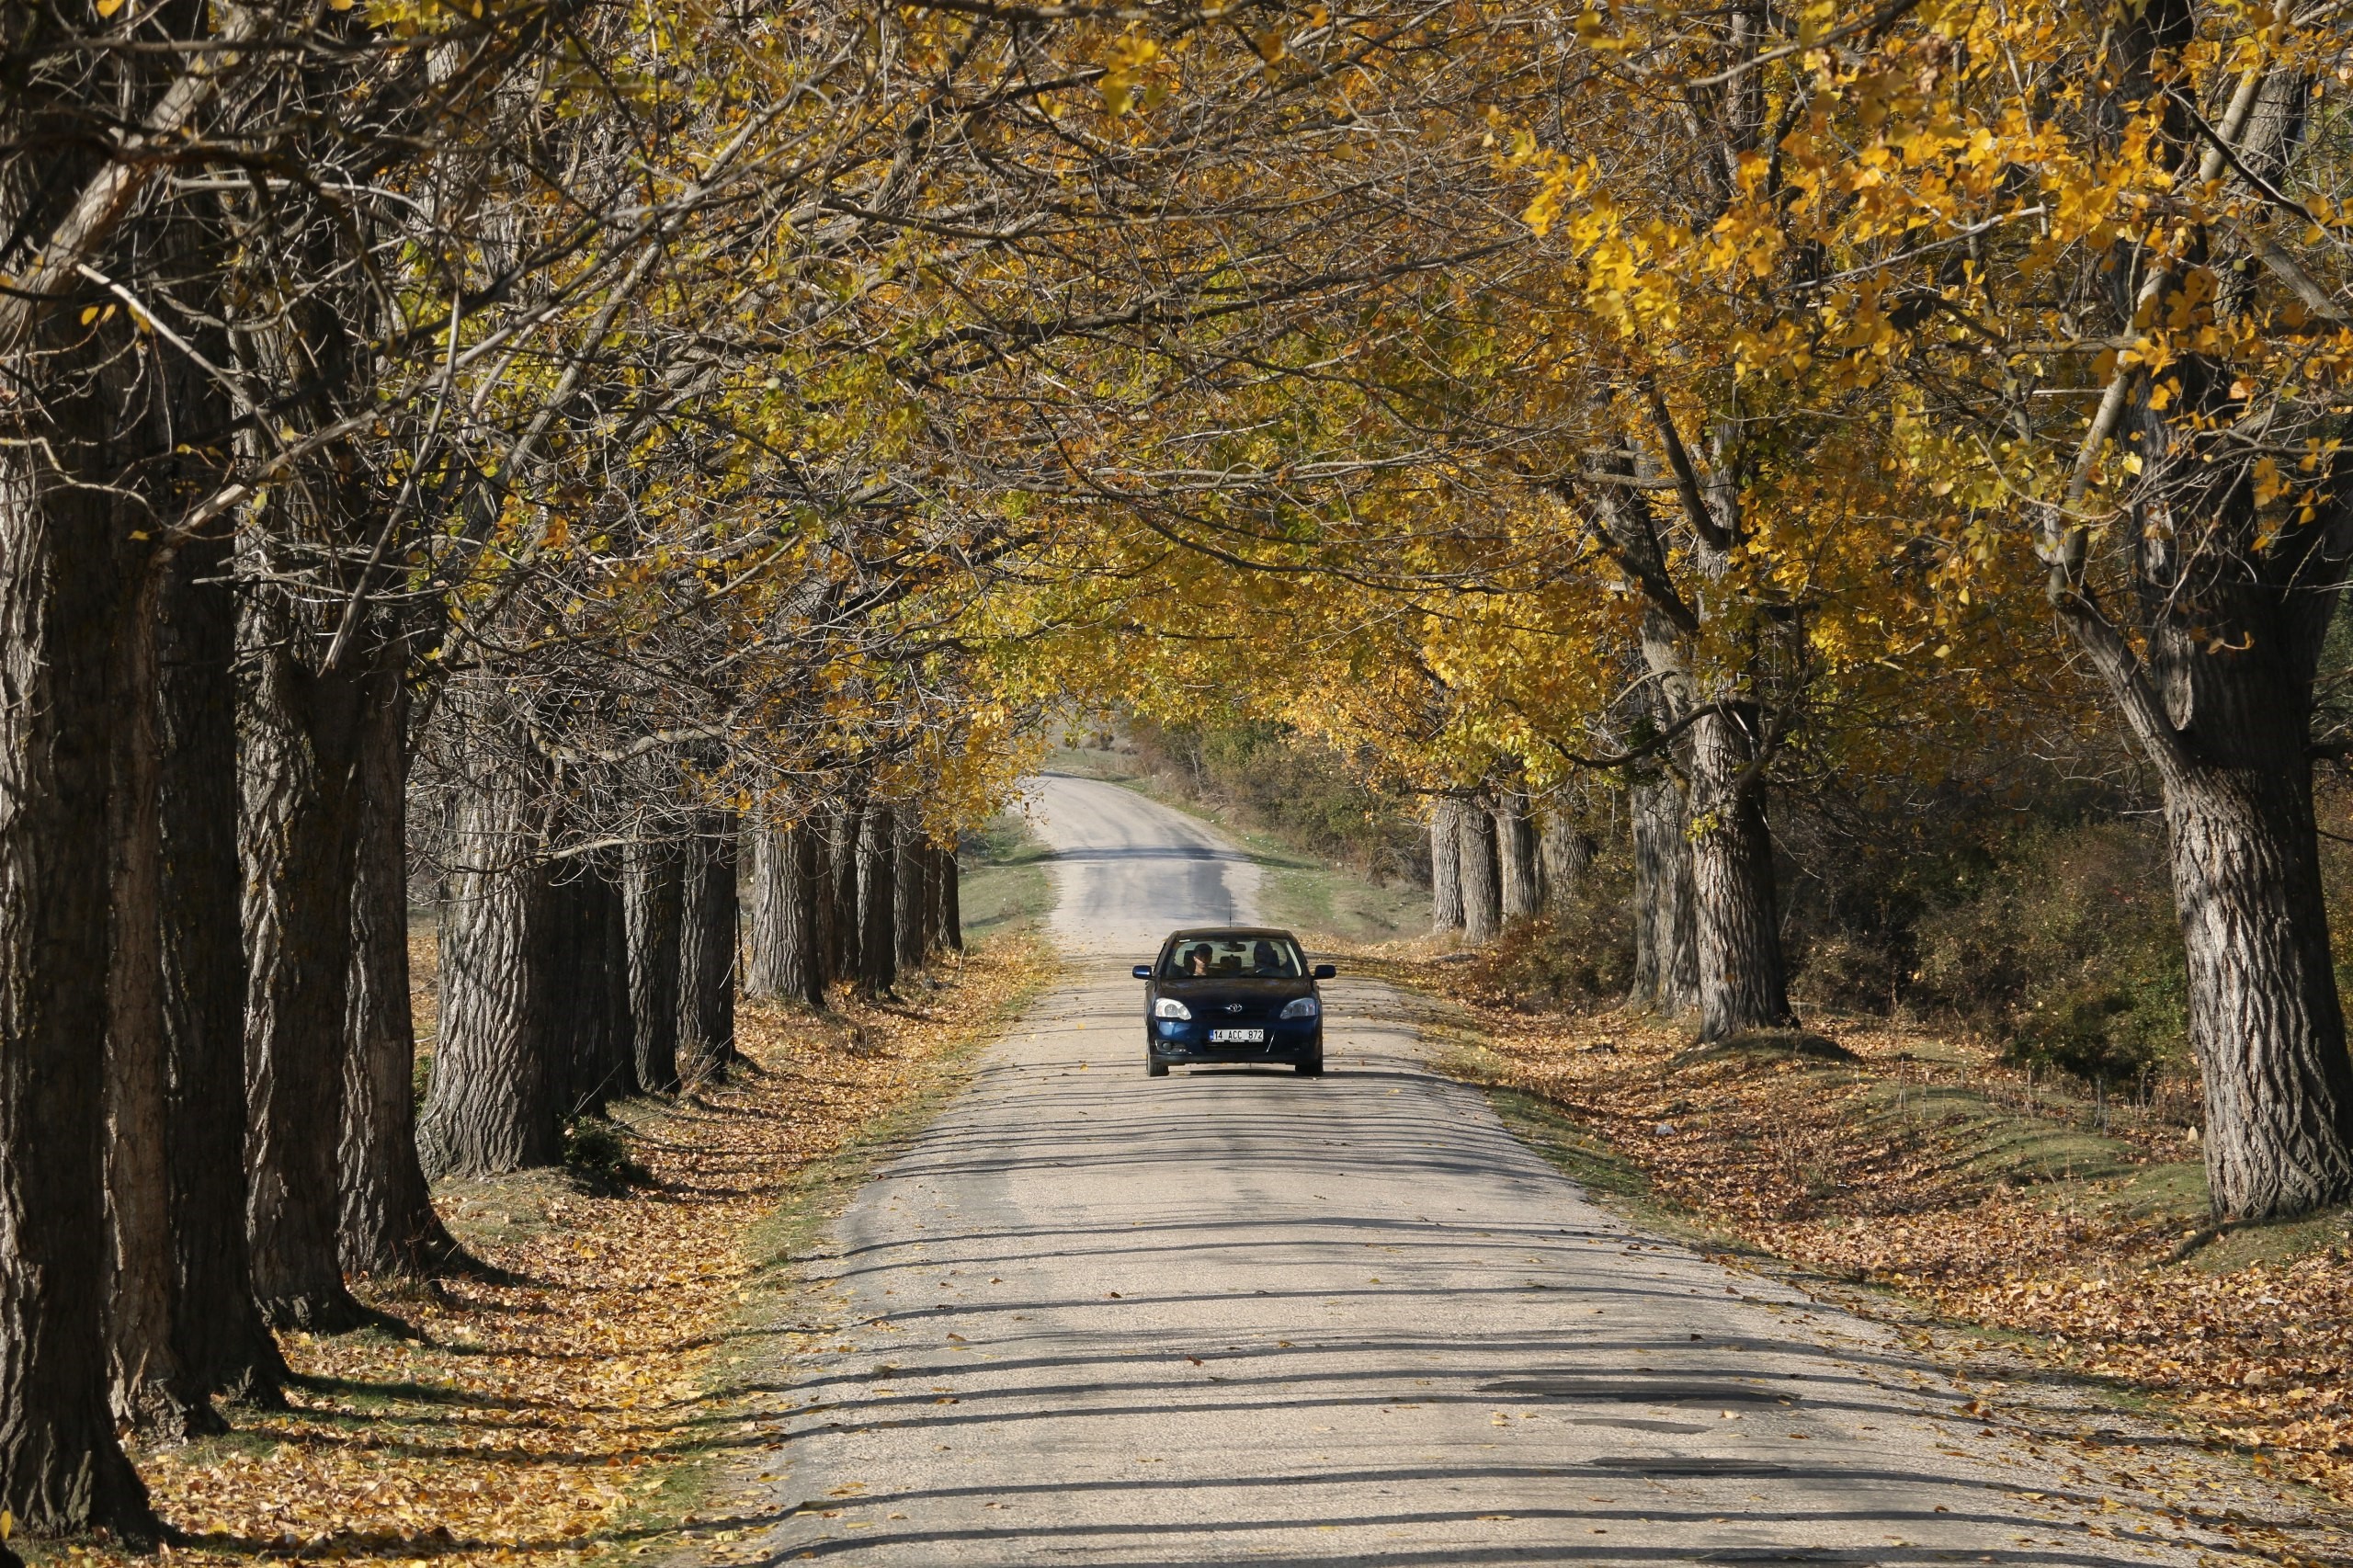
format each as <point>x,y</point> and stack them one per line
<point>1127,872</point>
<point>1240,1316</point>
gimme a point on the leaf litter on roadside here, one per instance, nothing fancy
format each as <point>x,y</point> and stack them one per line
<point>539,1416</point>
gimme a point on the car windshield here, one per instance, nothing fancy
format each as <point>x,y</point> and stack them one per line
<point>1233,958</point>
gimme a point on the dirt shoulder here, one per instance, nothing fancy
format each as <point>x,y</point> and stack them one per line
<point>584,1402</point>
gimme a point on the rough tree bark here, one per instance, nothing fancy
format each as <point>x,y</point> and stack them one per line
<point>947,928</point>
<point>1446,863</point>
<point>2233,608</point>
<point>309,551</point>
<point>175,643</point>
<point>819,830</point>
<point>1521,874</point>
<point>878,865</point>
<point>769,958</point>
<point>593,1040</point>
<point>389,1225</point>
<point>1567,853</point>
<point>2265,1017</point>
<point>61,1466</point>
<point>911,897</point>
<point>949,900</point>
<point>150,1393</point>
<point>619,1075</point>
<point>1667,960</point>
<point>297,747</point>
<point>2223,706</point>
<point>841,900</point>
<point>490,1105</point>
<point>1482,882</point>
<point>222,1344</point>
<point>795,880</point>
<point>1742,971</point>
<point>707,942</point>
<point>653,888</point>
<point>1743,982</point>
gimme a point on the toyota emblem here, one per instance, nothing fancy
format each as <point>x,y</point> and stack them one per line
<point>1233,1007</point>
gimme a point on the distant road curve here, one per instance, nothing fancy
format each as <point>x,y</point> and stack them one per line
<point>1128,870</point>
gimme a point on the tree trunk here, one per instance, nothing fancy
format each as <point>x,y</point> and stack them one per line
<point>1742,977</point>
<point>1482,881</point>
<point>2233,605</point>
<point>619,1075</point>
<point>297,739</point>
<point>60,1467</point>
<point>707,941</point>
<point>222,1344</point>
<point>2222,709</point>
<point>1446,863</point>
<point>911,897</point>
<point>1742,983</point>
<point>878,865</point>
<point>491,1104</point>
<point>150,1393</point>
<point>800,872</point>
<point>841,850</point>
<point>817,831</point>
<point>1567,853</point>
<point>2265,1018</point>
<point>770,963</point>
<point>389,1225</point>
<point>617,1064</point>
<point>654,887</point>
<point>593,1040</point>
<point>1667,960</point>
<point>1521,875</point>
<point>951,905</point>
<point>933,922</point>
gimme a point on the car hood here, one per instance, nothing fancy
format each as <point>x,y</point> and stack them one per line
<point>1206,995</point>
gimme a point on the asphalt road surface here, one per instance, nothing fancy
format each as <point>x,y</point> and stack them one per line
<point>1235,1315</point>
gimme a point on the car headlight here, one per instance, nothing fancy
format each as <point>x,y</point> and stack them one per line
<point>1300,1008</point>
<point>1169,1007</point>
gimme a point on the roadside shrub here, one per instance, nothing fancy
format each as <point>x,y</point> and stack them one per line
<point>2066,950</point>
<point>1851,972</point>
<point>1579,958</point>
<point>599,1157</point>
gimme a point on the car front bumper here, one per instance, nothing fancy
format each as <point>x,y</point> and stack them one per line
<point>1184,1040</point>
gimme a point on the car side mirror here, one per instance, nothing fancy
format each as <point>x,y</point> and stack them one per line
<point>1144,971</point>
<point>1324,971</point>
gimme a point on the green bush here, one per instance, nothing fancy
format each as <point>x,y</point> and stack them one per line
<point>599,1157</point>
<point>2066,949</point>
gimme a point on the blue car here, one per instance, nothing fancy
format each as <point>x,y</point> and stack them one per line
<point>1232,993</point>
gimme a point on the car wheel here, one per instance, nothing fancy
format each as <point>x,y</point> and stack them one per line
<point>1312,1068</point>
<point>1154,1067</point>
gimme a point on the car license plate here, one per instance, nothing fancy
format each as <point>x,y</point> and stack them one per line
<point>1238,1036</point>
